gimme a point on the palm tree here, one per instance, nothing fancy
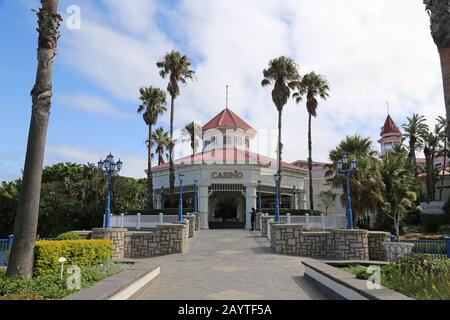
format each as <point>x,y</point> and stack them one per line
<point>284,73</point>
<point>161,140</point>
<point>439,12</point>
<point>399,188</point>
<point>176,67</point>
<point>415,129</point>
<point>191,133</point>
<point>366,183</point>
<point>153,105</point>
<point>313,86</point>
<point>21,261</point>
<point>444,151</point>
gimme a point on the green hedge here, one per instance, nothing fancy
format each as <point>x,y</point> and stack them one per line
<point>69,236</point>
<point>155,212</point>
<point>432,223</point>
<point>77,252</point>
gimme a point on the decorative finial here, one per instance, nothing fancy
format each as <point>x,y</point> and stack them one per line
<point>226,105</point>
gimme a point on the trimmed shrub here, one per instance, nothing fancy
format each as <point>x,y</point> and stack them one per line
<point>77,252</point>
<point>432,223</point>
<point>69,236</point>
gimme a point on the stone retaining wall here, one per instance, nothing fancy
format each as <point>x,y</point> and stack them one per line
<point>258,221</point>
<point>166,239</point>
<point>377,251</point>
<point>192,222</point>
<point>118,239</point>
<point>264,225</point>
<point>197,221</point>
<point>291,239</point>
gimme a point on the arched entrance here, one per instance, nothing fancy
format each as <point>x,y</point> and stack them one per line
<point>226,207</point>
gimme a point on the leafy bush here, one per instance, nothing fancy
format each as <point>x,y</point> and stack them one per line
<point>432,223</point>
<point>51,286</point>
<point>69,236</point>
<point>419,277</point>
<point>77,252</point>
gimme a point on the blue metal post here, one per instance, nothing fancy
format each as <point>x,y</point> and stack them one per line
<point>349,201</point>
<point>195,198</point>
<point>259,200</point>
<point>180,207</point>
<point>277,202</point>
<point>447,246</point>
<point>108,202</point>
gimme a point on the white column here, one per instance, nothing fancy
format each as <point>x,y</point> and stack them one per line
<point>203,203</point>
<point>303,201</point>
<point>250,202</point>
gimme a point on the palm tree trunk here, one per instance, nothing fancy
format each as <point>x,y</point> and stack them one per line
<point>26,221</point>
<point>280,116</point>
<point>429,179</point>
<point>310,165</point>
<point>149,170</point>
<point>444,166</point>
<point>444,53</point>
<point>171,160</point>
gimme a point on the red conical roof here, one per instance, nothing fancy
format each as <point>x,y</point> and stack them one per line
<point>227,119</point>
<point>390,128</point>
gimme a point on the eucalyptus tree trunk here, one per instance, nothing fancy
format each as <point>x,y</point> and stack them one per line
<point>171,160</point>
<point>439,11</point>
<point>149,169</point>
<point>310,166</point>
<point>26,221</point>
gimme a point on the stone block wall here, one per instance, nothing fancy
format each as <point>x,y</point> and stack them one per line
<point>192,220</point>
<point>258,221</point>
<point>314,244</point>
<point>197,221</point>
<point>291,239</point>
<point>377,251</point>
<point>141,245</point>
<point>285,238</point>
<point>264,225</point>
<point>116,235</point>
<point>349,245</point>
<point>172,238</point>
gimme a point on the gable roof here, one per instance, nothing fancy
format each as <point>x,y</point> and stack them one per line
<point>390,128</point>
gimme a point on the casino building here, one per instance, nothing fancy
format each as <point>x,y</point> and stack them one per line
<point>229,176</point>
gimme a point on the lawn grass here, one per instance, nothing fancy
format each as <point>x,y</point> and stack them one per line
<point>53,286</point>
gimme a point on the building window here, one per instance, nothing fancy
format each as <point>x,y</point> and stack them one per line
<point>247,143</point>
<point>227,140</point>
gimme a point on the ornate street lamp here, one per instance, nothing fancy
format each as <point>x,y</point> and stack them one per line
<point>277,177</point>
<point>180,207</point>
<point>195,196</point>
<point>259,197</point>
<point>295,192</point>
<point>346,169</point>
<point>111,168</point>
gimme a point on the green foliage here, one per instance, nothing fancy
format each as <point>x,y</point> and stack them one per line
<point>419,277</point>
<point>69,236</point>
<point>51,286</point>
<point>77,252</point>
<point>432,223</point>
<point>155,212</point>
<point>73,197</point>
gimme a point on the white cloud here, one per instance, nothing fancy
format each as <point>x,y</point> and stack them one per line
<point>371,52</point>
<point>91,104</point>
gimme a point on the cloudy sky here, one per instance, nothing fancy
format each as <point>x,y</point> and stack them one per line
<point>370,51</point>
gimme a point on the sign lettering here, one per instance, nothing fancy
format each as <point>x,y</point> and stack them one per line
<point>227,175</point>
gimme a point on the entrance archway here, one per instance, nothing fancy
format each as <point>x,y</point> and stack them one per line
<point>226,210</point>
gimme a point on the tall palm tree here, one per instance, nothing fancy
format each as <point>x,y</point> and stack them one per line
<point>191,133</point>
<point>153,105</point>
<point>177,68</point>
<point>439,12</point>
<point>161,140</point>
<point>21,261</point>
<point>283,72</point>
<point>313,86</point>
<point>414,131</point>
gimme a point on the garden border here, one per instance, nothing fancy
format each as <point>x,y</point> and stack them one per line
<point>344,285</point>
<point>121,286</point>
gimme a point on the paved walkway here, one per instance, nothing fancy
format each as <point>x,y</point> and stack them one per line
<point>229,265</point>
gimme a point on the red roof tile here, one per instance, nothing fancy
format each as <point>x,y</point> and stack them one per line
<point>228,156</point>
<point>390,127</point>
<point>227,119</point>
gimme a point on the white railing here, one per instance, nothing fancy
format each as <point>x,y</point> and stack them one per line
<point>141,221</point>
<point>317,222</point>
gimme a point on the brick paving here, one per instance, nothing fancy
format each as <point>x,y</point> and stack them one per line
<point>229,265</point>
